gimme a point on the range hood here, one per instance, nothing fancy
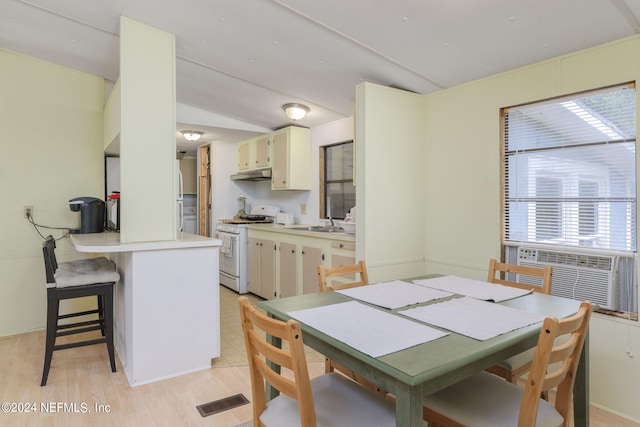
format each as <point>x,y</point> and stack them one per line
<point>257,175</point>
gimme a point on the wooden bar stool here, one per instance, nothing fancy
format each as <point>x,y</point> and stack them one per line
<point>87,277</point>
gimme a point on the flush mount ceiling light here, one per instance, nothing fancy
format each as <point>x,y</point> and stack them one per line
<point>295,111</point>
<point>192,135</point>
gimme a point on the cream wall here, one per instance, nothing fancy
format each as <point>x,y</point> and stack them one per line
<point>147,133</point>
<point>462,179</point>
<point>390,176</point>
<point>51,124</point>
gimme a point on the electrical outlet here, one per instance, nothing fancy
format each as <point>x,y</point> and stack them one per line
<point>28,211</point>
<point>303,209</point>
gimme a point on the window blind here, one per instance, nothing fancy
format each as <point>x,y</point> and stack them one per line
<point>570,171</point>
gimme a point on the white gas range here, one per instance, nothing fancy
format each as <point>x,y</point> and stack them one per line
<point>233,252</point>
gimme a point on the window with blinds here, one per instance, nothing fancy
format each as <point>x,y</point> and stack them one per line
<point>337,192</point>
<point>569,171</point>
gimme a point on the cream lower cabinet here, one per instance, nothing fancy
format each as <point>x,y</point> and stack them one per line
<point>299,264</point>
<point>262,267</point>
<point>312,257</point>
<point>296,260</point>
<point>288,270</point>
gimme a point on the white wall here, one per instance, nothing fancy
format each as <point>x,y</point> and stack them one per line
<point>52,151</point>
<point>462,190</point>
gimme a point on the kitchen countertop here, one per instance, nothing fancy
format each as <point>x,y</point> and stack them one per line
<point>110,242</point>
<point>289,229</point>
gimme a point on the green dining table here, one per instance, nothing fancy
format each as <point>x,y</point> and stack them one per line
<point>420,370</point>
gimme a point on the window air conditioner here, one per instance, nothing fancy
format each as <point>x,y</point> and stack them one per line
<point>576,276</point>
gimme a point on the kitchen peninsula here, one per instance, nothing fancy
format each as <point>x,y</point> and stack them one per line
<point>167,312</point>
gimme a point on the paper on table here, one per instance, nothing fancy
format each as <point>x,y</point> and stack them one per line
<point>473,318</point>
<point>394,294</point>
<point>367,329</point>
<point>474,288</point>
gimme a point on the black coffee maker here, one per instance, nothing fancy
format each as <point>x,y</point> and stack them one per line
<point>91,214</point>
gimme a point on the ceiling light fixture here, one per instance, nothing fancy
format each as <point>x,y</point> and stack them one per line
<point>192,135</point>
<point>295,111</point>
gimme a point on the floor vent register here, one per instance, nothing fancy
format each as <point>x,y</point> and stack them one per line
<point>221,405</point>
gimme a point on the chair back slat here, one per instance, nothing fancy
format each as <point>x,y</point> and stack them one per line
<point>544,273</point>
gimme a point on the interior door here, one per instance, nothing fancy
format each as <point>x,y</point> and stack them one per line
<point>204,191</point>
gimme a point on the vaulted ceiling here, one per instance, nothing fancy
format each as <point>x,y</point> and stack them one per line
<point>239,61</point>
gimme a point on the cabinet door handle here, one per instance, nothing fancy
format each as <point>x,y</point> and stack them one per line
<point>293,251</point>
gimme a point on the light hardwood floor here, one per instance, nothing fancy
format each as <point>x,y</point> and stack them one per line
<point>81,379</point>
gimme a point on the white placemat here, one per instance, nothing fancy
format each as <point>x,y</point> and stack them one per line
<point>474,288</point>
<point>367,329</point>
<point>473,318</point>
<point>394,294</point>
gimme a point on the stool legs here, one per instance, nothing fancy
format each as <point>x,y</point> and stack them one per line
<point>100,299</point>
<point>107,325</point>
<point>53,304</point>
<point>104,293</point>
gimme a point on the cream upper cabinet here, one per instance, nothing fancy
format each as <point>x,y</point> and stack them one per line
<point>291,159</point>
<point>287,151</point>
<point>263,152</point>
<point>254,153</point>
<point>244,155</point>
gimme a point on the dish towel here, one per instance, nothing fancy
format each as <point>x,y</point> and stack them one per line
<point>227,244</point>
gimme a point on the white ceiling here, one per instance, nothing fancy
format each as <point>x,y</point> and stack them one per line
<point>239,61</point>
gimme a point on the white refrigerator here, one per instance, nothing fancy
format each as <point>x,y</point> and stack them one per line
<point>112,175</point>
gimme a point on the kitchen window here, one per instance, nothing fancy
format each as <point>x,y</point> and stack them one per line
<point>337,192</point>
<point>569,195</point>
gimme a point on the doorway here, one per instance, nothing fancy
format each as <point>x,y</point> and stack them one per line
<point>204,190</point>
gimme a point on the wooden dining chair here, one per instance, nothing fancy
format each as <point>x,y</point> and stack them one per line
<point>514,367</point>
<point>359,269</point>
<point>327,400</point>
<point>486,400</point>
